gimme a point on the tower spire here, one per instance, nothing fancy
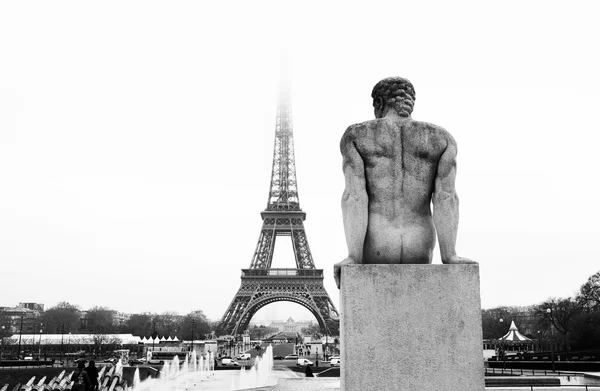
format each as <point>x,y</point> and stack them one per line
<point>283,191</point>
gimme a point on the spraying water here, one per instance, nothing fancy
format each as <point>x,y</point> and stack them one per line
<point>259,374</point>
<point>135,386</point>
<point>196,372</point>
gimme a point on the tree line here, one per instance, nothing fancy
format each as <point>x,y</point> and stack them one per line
<point>67,318</point>
<point>571,323</point>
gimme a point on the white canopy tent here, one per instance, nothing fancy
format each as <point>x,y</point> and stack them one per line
<point>514,335</point>
<point>79,339</point>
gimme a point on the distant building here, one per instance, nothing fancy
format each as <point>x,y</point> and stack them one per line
<point>290,326</point>
<point>259,323</point>
<point>120,318</point>
<point>283,337</point>
<point>39,307</point>
<point>28,316</point>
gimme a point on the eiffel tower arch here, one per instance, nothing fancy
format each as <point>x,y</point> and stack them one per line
<point>261,284</point>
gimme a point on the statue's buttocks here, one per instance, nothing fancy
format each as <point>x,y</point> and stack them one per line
<point>395,168</point>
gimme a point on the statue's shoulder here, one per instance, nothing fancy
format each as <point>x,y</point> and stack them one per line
<point>437,132</point>
<point>359,130</point>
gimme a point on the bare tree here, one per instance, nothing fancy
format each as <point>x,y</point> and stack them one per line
<point>589,293</point>
<point>589,298</point>
<point>197,322</point>
<point>561,315</point>
<point>140,324</point>
<point>100,320</point>
<point>63,313</point>
<point>168,322</point>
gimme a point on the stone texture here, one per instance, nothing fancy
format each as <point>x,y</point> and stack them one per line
<point>308,384</point>
<point>411,327</point>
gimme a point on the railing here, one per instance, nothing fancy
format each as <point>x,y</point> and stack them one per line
<point>492,383</point>
<point>26,363</point>
<point>282,272</point>
<point>530,372</point>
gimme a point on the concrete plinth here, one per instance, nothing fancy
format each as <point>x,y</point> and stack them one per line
<point>411,327</point>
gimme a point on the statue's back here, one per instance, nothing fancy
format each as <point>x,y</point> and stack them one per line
<point>401,162</point>
<point>400,159</point>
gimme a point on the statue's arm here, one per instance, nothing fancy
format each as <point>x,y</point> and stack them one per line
<point>445,205</point>
<point>355,204</point>
<point>354,200</point>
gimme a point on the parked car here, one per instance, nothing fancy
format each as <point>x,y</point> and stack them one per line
<point>111,360</point>
<point>156,362</point>
<point>335,361</point>
<point>137,361</point>
<point>244,356</point>
<point>77,361</point>
<point>223,358</point>
<point>277,357</point>
<point>228,362</point>
<point>291,357</point>
<point>303,362</point>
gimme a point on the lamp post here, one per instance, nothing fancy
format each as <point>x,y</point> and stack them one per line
<point>40,344</point>
<point>33,341</point>
<point>62,345</point>
<point>193,324</point>
<point>20,334</point>
<point>549,312</point>
<point>153,334</point>
<point>326,355</point>
<point>503,350</point>
<point>2,343</point>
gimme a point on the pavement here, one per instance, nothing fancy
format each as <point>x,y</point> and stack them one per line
<point>308,384</point>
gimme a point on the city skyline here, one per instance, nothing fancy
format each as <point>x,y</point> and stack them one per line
<point>136,142</point>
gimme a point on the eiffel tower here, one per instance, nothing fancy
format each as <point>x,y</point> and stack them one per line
<point>262,284</point>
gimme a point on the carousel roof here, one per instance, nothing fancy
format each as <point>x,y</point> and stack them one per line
<point>514,335</point>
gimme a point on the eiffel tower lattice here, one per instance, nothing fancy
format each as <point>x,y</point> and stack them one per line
<point>262,284</point>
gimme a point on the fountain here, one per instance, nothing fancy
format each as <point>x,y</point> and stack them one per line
<point>197,373</point>
<point>194,373</point>
<point>258,375</point>
<point>135,384</point>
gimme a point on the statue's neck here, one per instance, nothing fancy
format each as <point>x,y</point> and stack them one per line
<point>393,115</point>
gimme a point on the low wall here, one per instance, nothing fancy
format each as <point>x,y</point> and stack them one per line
<point>26,363</point>
<point>569,366</point>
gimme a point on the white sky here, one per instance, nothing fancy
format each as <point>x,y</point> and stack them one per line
<point>136,140</point>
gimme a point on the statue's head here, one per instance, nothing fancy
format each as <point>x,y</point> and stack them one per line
<point>393,93</point>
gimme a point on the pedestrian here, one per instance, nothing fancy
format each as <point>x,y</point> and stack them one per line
<point>92,372</point>
<point>308,372</point>
<point>81,378</point>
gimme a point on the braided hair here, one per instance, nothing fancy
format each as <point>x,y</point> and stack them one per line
<point>397,93</point>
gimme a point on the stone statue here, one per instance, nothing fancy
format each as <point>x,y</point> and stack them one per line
<point>394,168</point>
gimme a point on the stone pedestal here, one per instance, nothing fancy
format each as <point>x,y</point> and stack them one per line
<point>411,327</point>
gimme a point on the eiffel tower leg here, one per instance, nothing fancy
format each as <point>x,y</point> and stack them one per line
<point>263,287</point>
<point>236,308</point>
<point>302,251</point>
<point>263,255</point>
<point>330,315</point>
